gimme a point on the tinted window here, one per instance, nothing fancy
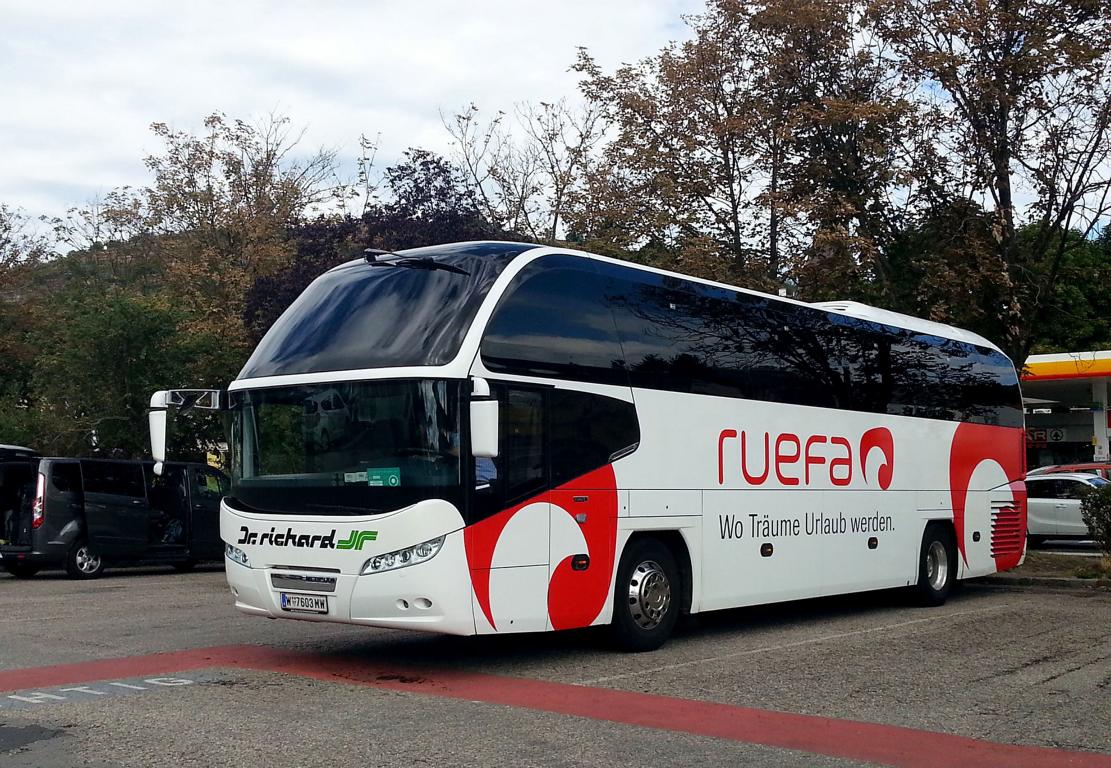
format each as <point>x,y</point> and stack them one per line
<point>397,442</point>
<point>373,316</point>
<point>210,483</point>
<point>1039,489</point>
<point>521,443</point>
<point>684,336</point>
<point>1077,489</point>
<point>554,321</point>
<point>588,432</point>
<point>114,478</point>
<point>519,471</point>
<point>66,478</point>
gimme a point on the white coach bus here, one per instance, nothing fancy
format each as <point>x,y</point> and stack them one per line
<point>499,437</point>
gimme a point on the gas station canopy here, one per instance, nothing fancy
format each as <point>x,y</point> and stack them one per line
<point>1066,407</point>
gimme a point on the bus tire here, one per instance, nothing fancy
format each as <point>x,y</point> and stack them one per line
<point>646,597</point>
<point>1033,541</point>
<point>83,562</point>
<point>937,565</point>
<point>21,570</point>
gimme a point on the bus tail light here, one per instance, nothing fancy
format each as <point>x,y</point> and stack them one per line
<point>38,506</point>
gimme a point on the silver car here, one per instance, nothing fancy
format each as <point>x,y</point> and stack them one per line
<point>1053,505</point>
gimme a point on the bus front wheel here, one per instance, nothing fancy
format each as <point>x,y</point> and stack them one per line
<point>937,565</point>
<point>646,597</point>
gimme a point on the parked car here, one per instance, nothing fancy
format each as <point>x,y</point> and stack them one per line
<point>326,417</point>
<point>83,513</point>
<point>13,452</point>
<point>1053,505</point>
<point>1099,469</point>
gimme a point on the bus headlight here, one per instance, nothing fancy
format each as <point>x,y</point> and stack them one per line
<point>236,555</point>
<point>401,558</point>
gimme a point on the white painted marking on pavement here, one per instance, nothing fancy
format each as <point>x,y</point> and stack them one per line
<point>37,698</point>
<point>796,644</point>
<point>85,692</point>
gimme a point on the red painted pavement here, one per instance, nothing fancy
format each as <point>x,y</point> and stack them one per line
<point>867,742</point>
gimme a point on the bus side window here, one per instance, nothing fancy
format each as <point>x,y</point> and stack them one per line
<point>520,470</point>
<point>588,431</point>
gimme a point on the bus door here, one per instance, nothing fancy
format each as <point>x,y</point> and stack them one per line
<point>507,541</point>
<point>206,488</point>
<point>116,509</point>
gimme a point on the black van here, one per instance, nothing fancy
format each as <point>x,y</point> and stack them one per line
<point>82,513</point>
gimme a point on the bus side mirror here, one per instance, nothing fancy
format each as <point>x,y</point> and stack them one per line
<point>484,421</point>
<point>157,417</point>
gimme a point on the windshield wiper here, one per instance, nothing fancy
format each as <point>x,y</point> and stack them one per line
<point>412,262</point>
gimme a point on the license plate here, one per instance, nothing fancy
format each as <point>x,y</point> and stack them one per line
<point>304,603</point>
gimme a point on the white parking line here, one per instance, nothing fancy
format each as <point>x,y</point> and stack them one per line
<point>783,646</point>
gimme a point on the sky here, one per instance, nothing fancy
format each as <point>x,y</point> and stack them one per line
<point>81,82</point>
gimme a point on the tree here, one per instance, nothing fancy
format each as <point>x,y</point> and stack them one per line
<point>428,201</point>
<point>844,145</point>
<point>23,249</point>
<point>679,173</point>
<point>214,219</point>
<point>775,147</point>
<point>97,365</point>
<point>523,179</point>
<point>1027,106</point>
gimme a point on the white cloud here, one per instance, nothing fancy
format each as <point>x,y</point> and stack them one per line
<point>82,81</point>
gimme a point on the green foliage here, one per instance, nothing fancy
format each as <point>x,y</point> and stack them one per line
<point>97,365</point>
<point>1078,314</point>
<point>1096,511</point>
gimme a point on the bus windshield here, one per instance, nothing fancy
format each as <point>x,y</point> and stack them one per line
<point>345,447</point>
<point>404,309</point>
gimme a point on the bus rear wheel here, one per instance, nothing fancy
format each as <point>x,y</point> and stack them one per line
<point>937,565</point>
<point>646,597</point>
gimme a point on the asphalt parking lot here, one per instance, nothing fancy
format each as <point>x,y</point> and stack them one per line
<point>150,668</point>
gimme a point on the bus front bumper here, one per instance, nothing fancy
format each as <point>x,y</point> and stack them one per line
<point>431,596</point>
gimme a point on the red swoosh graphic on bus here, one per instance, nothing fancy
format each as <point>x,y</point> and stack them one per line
<point>878,437</point>
<point>972,445</point>
<point>480,540</point>
<point>575,598</point>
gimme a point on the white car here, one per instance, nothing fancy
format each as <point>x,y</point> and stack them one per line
<point>1053,505</point>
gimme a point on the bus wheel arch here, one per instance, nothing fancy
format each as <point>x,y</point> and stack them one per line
<point>651,589</point>
<point>938,563</point>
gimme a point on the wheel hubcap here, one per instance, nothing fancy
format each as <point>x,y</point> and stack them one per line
<point>937,566</point>
<point>649,594</point>
<point>87,562</point>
